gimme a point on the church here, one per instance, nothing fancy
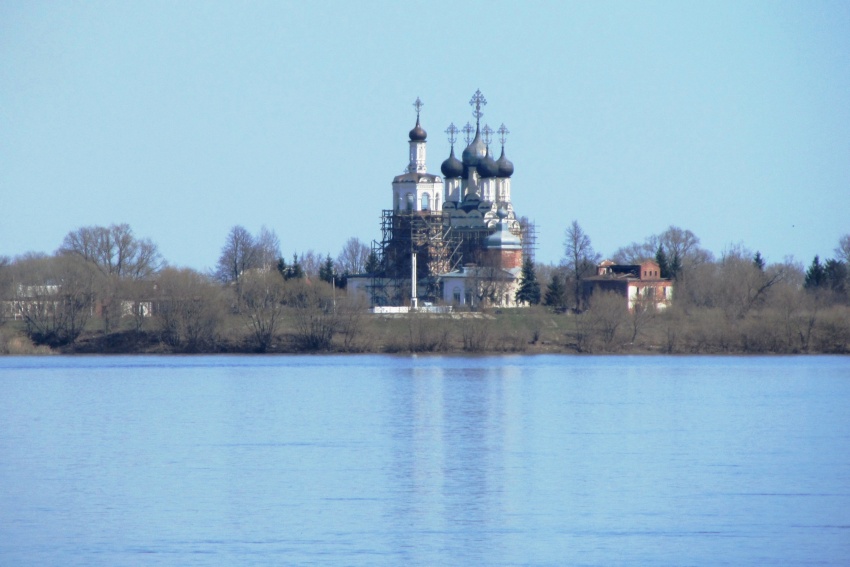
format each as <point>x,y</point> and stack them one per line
<point>452,239</point>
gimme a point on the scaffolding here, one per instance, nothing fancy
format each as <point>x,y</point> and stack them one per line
<point>528,235</point>
<point>402,233</point>
<point>439,247</point>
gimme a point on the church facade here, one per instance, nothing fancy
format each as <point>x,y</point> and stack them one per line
<point>455,235</point>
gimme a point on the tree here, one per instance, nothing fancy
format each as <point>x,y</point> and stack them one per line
<point>262,306</point>
<point>114,250</point>
<point>54,297</point>
<point>661,258</point>
<point>266,249</point>
<point>681,248</point>
<point>372,264</point>
<point>354,257</point>
<point>842,251</point>
<point>579,258</point>
<point>188,309</point>
<point>556,292</point>
<point>238,255</point>
<point>326,270</point>
<point>490,285</point>
<point>758,261</point>
<point>119,257</point>
<point>529,288</point>
<point>815,275</point>
<point>5,284</point>
<point>315,319</point>
<point>835,274</point>
<point>310,263</point>
<point>292,271</point>
<point>675,266</point>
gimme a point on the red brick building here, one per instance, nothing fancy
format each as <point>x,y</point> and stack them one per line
<point>639,284</point>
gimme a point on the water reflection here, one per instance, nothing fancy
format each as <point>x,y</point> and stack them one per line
<point>451,452</point>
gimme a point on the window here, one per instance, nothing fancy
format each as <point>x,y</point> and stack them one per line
<point>410,201</point>
<point>456,295</point>
<point>426,202</point>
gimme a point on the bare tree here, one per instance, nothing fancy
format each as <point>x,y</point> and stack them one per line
<point>579,259</point>
<point>634,253</point>
<point>842,251</point>
<point>114,250</point>
<point>119,256</point>
<point>5,286</point>
<point>262,305</point>
<point>311,262</point>
<point>267,247</point>
<point>491,286</point>
<point>188,309</point>
<point>684,246</point>
<point>54,297</point>
<point>312,305</point>
<point>353,256</point>
<point>238,254</point>
<point>680,247</point>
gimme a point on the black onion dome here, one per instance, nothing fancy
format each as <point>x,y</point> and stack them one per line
<point>418,134</point>
<point>474,152</point>
<point>452,167</point>
<point>506,167</point>
<point>487,167</point>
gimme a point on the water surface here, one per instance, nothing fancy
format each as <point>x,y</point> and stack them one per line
<point>378,460</point>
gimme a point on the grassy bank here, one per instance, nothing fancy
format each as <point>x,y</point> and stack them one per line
<point>531,330</point>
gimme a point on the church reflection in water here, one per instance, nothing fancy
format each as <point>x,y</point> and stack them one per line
<point>456,455</point>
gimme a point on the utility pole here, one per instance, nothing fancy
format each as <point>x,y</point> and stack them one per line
<point>414,301</point>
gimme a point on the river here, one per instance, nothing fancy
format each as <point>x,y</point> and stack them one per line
<point>384,460</point>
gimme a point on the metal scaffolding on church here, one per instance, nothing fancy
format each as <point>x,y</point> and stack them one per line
<point>425,233</point>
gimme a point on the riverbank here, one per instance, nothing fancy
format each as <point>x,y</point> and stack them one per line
<point>532,331</point>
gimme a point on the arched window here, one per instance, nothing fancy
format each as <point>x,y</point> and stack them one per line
<point>426,202</point>
<point>410,201</point>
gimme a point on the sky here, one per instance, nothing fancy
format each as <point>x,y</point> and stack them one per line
<point>184,119</point>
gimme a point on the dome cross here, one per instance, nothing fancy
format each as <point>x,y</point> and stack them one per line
<point>488,134</point>
<point>467,133</point>
<point>503,133</point>
<point>477,101</point>
<point>452,132</point>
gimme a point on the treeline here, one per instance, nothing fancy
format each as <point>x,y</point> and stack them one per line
<point>107,286</point>
<point>734,303</point>
<point>107,290</point>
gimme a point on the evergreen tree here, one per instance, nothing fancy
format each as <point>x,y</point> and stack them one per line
<point>815,275</point>
<point>758,261</point>
<point>675,266</point>
<point>372,265</point>
<point>835,274</point>
<point>290,272</point>
<point>556,292</point>
<point>661,258</point>
<point>326,271</point>
<point>529,287</point>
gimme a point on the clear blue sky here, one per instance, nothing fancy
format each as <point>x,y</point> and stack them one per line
<point>186,118</point>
